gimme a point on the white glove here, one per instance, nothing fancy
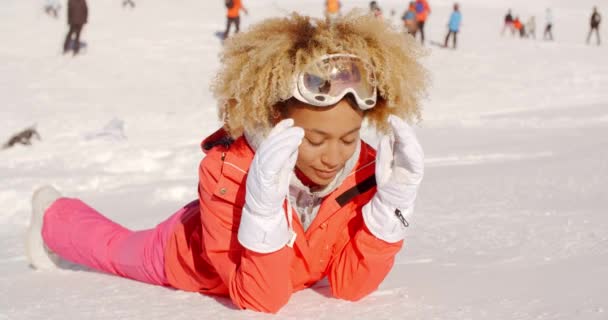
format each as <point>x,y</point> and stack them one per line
<point>263,226</point>
<point>399,171</point>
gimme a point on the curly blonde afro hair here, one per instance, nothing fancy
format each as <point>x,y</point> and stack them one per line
<point>258,67</point>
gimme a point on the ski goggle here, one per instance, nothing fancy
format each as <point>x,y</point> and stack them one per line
<point>327,80</point>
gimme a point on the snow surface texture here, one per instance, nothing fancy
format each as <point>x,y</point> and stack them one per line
<point>511,219</point>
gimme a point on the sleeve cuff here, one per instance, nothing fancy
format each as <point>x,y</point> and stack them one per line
<point>263,234</point>
<point>382,222</point>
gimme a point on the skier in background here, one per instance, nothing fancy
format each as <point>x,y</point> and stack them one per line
<point>233,16</point>
<point>289,193</point>
<point>78,13</point>
<point>423,10</point>
<point>332,9</point>
<point>508,23</point>
<point>531,27</point>
<point>409,19</point>
<point>519,27</point>
<point>394,20</point>
<point>548,34</point>
<point>453,26</point>
<point>129,3</point>
<point>594,23</point>
<point>375,9</point>
<point>52,8</point>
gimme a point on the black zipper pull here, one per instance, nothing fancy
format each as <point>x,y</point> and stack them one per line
<point>401,218</point>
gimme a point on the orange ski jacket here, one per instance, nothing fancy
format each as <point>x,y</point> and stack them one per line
<point>332,6</point>
<point>204,255</point>
<point>234,11</point>
<point>422,16</point>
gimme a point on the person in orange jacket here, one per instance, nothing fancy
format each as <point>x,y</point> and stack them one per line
<point>519,27</point>
<point>422,13</point>
<point>332,9</point>
<point>288,192</point>
<point>233,15</point>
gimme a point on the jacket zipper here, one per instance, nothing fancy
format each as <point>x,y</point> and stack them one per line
<point>401,218</point>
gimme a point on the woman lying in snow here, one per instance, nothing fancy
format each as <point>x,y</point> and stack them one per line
<point>288,193</point>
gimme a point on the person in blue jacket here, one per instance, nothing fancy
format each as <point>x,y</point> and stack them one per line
<point>453,26</point>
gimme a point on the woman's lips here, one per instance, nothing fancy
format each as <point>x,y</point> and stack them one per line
<point>325,174</point>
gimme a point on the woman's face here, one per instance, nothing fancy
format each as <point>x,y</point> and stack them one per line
<point>331,136</point>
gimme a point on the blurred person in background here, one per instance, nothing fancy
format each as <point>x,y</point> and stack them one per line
<point>409,19</point>
<point>453,26</point>
<point>233,16</point>
<point>548,34</point>
<point>52,7</point>
<point>519,27</point>
<point>374,8</point>
<point>129,3</point>
<point>393,14</point>
<point>508,23</point>
<point>594,22</point>
<point>78,13</point>
<point>531,27</point>
<point>422,13</point>
<point>332,9</point>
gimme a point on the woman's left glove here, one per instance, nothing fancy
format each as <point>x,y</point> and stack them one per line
<point>399,171</point>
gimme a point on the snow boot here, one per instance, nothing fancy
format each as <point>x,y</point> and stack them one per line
<point>38,255</point>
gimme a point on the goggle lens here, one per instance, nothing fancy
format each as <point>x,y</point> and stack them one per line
<point>329,79</point>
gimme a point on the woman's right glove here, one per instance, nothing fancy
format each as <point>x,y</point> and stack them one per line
<point>399,171</point>
<point>263,226</point>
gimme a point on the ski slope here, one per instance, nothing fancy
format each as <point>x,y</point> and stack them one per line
<point>510,221</point>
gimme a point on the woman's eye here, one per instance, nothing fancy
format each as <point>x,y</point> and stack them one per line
<point>314,143</point>
<point>349,142</point>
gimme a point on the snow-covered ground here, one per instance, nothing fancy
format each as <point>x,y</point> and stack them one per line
<point>510,223</point>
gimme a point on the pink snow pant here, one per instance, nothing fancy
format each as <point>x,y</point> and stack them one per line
<point>79,234</point>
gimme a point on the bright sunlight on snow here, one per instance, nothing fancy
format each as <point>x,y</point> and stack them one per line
<point>510,223</point>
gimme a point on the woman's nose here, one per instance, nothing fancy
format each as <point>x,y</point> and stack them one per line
<point>331,158</point>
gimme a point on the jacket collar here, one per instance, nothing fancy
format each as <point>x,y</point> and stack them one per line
<point>238,154</point>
